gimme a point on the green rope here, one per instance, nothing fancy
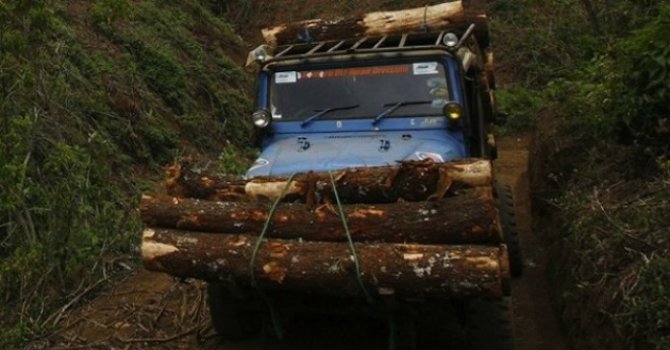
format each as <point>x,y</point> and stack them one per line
<point>252,264</point>
<point>391,324</point>
<point>368,297</point>
<point>357,264</point>
<point>273,312</point>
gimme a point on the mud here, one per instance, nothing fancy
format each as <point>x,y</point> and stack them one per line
<point>534,319</point>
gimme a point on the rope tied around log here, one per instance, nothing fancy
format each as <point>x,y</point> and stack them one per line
<point>352,247</point>
<point>276,323</point>
<point>357,264</point>
<point>254,282</point>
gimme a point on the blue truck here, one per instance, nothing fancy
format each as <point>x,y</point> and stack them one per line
<point>373,105</point>
<point>374,186</point>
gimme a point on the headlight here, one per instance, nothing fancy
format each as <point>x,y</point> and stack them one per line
<point>261,118</point>
<point>450,40</point>
<point>453,111</point>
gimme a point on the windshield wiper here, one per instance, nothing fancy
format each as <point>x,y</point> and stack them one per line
<point>320,113</point>
<point>394,106</point>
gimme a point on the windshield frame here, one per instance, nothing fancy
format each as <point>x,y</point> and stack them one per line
<point>445,73</point>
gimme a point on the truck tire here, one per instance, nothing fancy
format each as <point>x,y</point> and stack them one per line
<point>505,202</point>
<point>488,325</point>
<point>233,318</point>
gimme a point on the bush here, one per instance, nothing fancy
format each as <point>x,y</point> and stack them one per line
<point>640,93</point>
<point>520,105</point>
<point>606,86</point>
<point>618,254</point>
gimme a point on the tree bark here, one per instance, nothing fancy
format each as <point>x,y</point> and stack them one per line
<point>328,268</point>
<point>182,180</point>
<point>411,181</point>
<point>447,16</point>
<point>471,217</point>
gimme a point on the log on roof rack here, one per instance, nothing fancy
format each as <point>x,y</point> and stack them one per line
<point>449,16</point>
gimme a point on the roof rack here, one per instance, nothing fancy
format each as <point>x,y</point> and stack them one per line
<point>360,45</point>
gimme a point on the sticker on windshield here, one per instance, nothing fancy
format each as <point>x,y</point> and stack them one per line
<point>286,77</point>
<point>425,68</point>
<point>275,114</point>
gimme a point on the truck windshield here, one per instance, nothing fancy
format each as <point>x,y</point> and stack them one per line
<point>296,95</point>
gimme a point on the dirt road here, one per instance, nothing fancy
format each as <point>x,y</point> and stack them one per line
<point>535,323</point>
<point>153,311</point>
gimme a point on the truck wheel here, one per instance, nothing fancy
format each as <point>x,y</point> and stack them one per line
<point>488,325</point>
<point>233,318</point>
<point>505,203</point>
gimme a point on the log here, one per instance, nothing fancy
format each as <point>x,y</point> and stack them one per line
<point>182,180</point>
<point>471,217</point>
<point>405,270</point>
<point>446,16</point>
<point>410,180</point>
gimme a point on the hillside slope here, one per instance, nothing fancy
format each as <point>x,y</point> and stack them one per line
<point>95,96</point>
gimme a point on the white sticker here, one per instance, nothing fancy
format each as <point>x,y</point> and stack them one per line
<point>424,68</point>
<point>275,115</point>
<point>286,77</point>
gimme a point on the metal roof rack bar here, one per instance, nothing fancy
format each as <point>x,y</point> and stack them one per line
<point>381,41</point>
<point>336,46</point>
<point>439,38</point>
<point>386,43</point>
<point>358,43</point>
<point>403,39</point>
<point>283,52</point>
<point>316,48</point>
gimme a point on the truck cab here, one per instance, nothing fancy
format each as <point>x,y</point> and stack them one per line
<point>371,102</point>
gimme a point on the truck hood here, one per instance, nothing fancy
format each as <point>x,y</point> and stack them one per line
<point>285,155</point>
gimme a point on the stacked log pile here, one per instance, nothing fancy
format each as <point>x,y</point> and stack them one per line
<point>421,229</point>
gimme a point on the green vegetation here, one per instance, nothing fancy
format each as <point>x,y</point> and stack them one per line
<point>595,79</point>
<point>91,95</point>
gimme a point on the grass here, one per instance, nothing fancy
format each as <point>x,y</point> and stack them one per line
<point>614,269</point>
<point>91,94</point>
